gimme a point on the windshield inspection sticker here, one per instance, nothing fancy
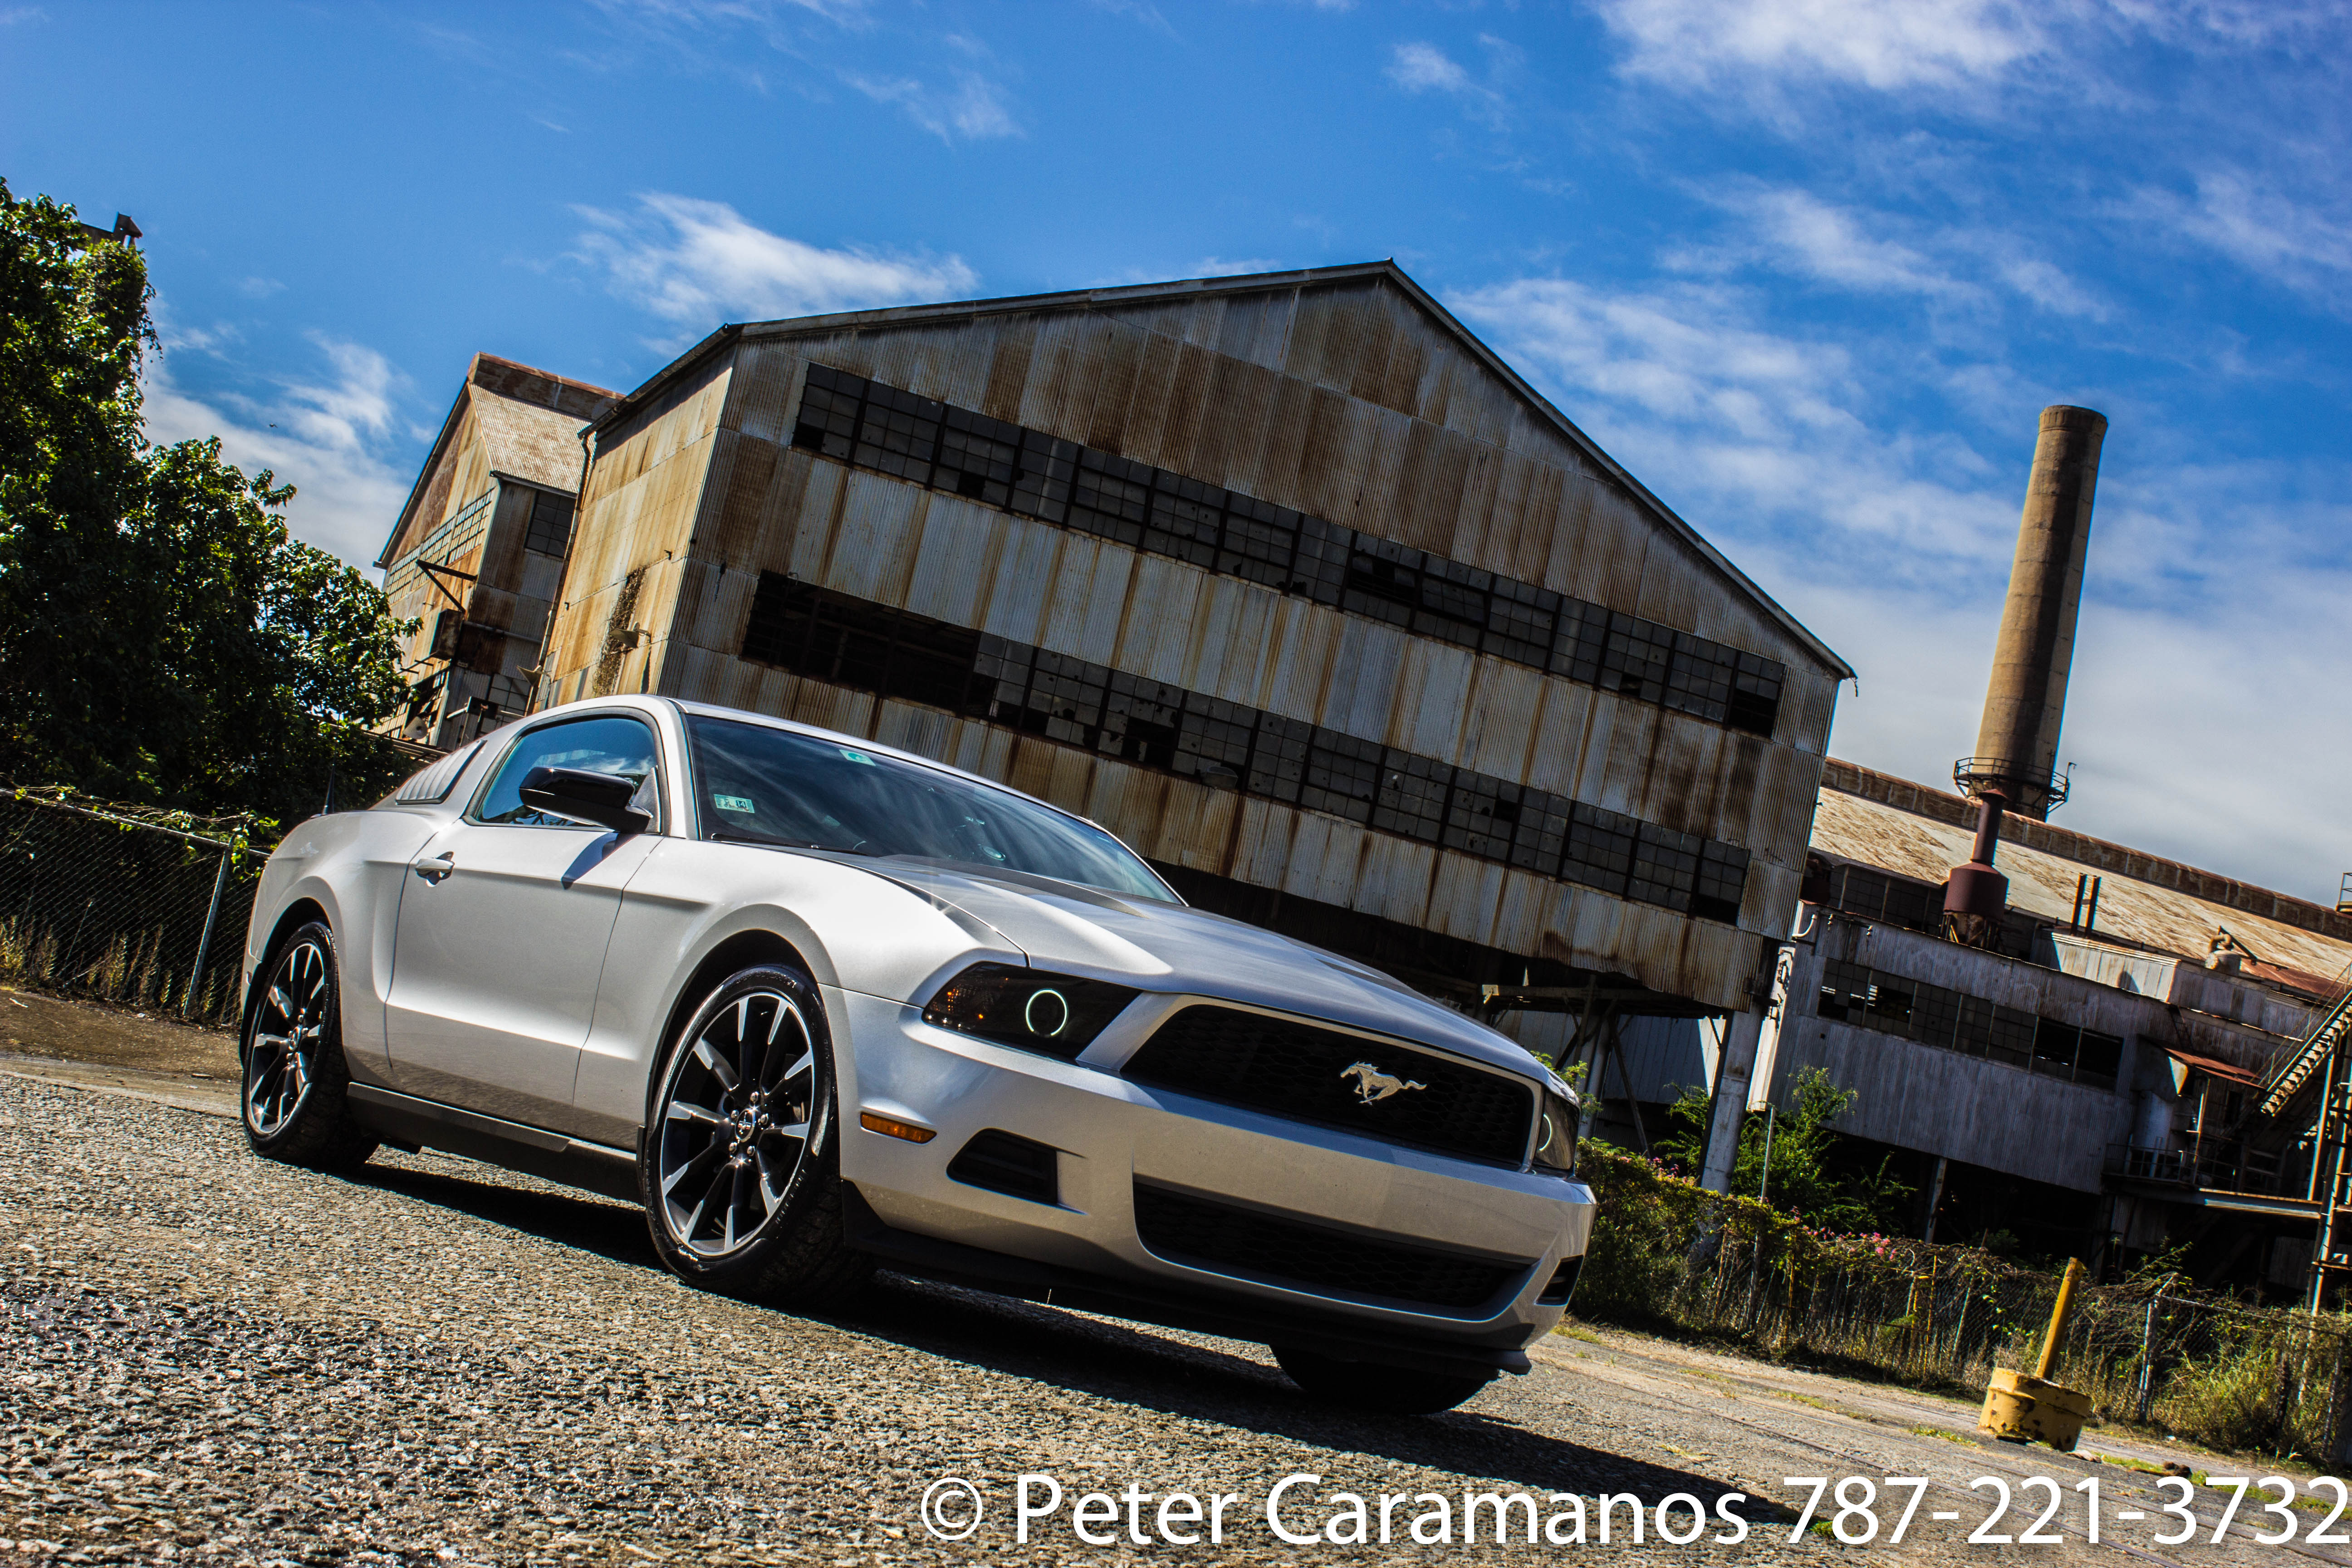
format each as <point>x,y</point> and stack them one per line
<point>859,757</point>
<point>741,802</point>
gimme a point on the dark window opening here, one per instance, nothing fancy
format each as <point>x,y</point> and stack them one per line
<point>965,453</point>
<point>851,642</point>
<point>550,524</point>
<point>1665,867</point>
<point>1936,1016</point>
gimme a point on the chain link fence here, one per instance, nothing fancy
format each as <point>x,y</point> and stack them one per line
<point>124,903</point>
<point>2152,1352</point>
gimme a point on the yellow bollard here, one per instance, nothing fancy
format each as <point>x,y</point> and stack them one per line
<point>2020,1409</point>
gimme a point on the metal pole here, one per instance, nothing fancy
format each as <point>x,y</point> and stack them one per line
<point>1764,1180</point>
<point>2323,1244</point>
<point>195,975</point>
<point>2058,1316</point>
<point>2147,1353</point>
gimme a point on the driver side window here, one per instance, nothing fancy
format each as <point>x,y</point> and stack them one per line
<point>609,744</point>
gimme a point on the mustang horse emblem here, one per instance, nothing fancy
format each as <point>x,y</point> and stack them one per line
<point>1373,1085</point>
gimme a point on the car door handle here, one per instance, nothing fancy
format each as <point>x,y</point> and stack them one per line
<point>433,867</point>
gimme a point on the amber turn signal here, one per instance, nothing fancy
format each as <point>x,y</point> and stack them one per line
<point>890,1126</point>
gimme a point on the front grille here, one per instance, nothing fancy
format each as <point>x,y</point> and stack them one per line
<point>1302,1074</point>
<point>1185,1229</point>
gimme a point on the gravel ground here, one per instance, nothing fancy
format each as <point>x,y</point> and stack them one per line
<point>208,1357</point>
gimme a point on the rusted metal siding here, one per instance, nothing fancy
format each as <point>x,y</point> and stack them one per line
<point>1348,401</point>
<point>630,543</point>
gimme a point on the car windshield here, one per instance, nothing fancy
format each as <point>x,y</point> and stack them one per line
<point>763,786</point>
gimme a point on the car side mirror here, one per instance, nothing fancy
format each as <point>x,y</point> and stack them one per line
<point>601,798</point>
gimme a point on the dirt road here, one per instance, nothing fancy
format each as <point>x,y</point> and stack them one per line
<point>208,1356</point>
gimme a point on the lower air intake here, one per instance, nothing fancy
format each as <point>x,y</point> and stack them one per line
<point>1182,1229</point>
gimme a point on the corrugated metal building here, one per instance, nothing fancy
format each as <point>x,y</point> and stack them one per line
<point>1287,579</point>
<point>2091,1081</point>
<point>477,555</point>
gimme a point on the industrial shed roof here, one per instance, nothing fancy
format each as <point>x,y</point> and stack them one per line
<point>1916,831</point>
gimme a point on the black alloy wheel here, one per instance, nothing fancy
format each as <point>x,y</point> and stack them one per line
<point>741,1166</point>
<point>295,1092</point>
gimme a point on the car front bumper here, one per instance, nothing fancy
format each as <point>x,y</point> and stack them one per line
<point>1112,1135</point>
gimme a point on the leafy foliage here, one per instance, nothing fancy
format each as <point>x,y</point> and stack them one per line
<point>1801,1178</point>
<point>161,637</point>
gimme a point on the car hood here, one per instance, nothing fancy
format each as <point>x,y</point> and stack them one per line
<point>1157,946</point>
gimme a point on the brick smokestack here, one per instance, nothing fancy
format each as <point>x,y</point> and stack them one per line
<point>2016,762</point>
<point>2026,700</point>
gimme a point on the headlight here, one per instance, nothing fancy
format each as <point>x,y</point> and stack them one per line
<point>1555,1135</point>
<point>1055,1015</point>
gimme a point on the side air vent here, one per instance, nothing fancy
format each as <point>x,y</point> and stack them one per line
<point>1003,1162</point>
<point>1563,1282</point>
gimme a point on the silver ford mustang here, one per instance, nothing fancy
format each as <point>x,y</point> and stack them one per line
<point>819,1005</point>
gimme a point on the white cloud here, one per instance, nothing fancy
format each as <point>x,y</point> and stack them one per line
<point>972,109</point>
<point>326,437</point>
<point>1829,242</point>
<point>1793,231</point>
<point>2257,227</point>
<point>1420,67</point>
<point>1424,68</point>
<point>1870,43</point>
<point>698,262</point>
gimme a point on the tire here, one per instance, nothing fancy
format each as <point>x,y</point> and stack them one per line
<point>1388,1390</point>
<point>294,1098</point>
<point>740,1170</point>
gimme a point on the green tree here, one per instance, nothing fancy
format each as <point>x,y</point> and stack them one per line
<point>1801,1180</point>
<point>161,637</point>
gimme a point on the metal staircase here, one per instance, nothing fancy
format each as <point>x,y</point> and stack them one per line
<point>2293,1071</point>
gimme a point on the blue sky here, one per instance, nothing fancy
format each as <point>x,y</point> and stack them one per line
<point>1809,268</point>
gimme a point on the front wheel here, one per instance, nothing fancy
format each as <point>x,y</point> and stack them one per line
<point>741,1169</point>
<point>295,1084</point>
<point>1390,1389</point>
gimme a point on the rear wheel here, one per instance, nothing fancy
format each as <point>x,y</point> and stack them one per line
<point>741,1170</point>
<point>296,1084</point>
<point>1364,1385</point>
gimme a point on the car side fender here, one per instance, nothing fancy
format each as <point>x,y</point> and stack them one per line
<point>350,867</point>
<point>697,904</point>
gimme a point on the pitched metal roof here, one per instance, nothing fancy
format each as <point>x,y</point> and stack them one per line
<point>2144,899</point>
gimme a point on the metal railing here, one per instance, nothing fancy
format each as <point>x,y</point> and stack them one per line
<point>2293,1068</point>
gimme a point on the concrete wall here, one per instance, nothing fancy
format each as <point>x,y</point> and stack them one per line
<point>1990,1113</point>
